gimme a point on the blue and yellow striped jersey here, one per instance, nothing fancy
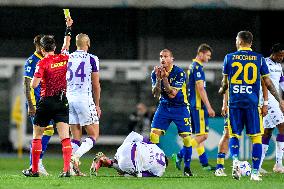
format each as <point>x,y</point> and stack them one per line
<point>177,79</point>
<point>244,69</point>
<point>195,74</point>
<point>30,66</point>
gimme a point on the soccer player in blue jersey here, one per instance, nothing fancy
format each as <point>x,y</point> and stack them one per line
<point>224,141</point>
<point>169,85</point>
<point>33,96</point>
<point>200,107</point>
<point>242,72</point>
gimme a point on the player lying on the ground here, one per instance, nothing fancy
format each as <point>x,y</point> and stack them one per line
<point>135,157</point>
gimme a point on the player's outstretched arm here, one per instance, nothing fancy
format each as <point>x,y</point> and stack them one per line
<point>67,38</point>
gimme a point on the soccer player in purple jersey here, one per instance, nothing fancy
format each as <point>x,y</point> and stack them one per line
<point>275,117</point>
<point>83,93</point>
<point>135,157</point>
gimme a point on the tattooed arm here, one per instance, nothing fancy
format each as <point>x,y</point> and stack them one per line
<point>270,86</point>
<point>156,90</point>
<point>27,91</point>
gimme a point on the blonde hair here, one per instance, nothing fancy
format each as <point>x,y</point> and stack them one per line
<point>82,40</point>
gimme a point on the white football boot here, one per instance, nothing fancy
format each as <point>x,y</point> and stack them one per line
<point>220,172</point>
<point>255,177</point>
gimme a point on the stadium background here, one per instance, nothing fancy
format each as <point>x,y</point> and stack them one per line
<point>127,36</point>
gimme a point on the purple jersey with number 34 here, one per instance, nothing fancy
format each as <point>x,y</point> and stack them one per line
<point>80,67</point>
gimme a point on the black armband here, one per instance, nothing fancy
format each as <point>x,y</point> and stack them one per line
<point>68,31</point>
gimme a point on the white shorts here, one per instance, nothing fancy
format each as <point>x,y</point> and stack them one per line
<point>83,113</point>
<point>274,116</point>
<point>124,160</point>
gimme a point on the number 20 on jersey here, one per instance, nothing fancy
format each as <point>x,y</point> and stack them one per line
<point>239,86</point>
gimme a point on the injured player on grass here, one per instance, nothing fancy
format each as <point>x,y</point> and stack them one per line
<point>135,157</point>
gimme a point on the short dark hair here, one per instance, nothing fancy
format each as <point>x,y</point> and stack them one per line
<point>169,51</point>
<point>37,39</point>
<point>47,42</point>
<point>246,36</point>
<point>204,48</point>
<point>277,48</point>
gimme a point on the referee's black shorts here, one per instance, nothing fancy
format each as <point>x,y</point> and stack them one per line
<point>51,108</point>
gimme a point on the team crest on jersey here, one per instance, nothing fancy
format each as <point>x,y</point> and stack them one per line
<point>30,61</point>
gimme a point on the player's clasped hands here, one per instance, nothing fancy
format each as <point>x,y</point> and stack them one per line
<point>158,72</point>
<point>164,73</point>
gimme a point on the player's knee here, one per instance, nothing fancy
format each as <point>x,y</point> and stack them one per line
<point>154,138</point>
<point>201,138</point>
<point>187,141</point>
<point>49,131</point>
<point>256,139</point>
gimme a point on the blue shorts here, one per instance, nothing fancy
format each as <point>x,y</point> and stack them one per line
<point>249,118</point>
<point>166,114</point>
<point>199,121</point>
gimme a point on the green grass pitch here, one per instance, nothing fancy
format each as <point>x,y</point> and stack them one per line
<point>11,177</point>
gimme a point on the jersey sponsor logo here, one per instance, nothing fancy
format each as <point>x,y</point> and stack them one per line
<point>275,70</point>
<point>242,89</point>
<point>58,64</point>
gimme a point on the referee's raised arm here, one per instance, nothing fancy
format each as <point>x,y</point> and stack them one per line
<point>67,38</point>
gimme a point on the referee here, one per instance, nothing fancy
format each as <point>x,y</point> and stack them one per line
<point>53,104</point>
